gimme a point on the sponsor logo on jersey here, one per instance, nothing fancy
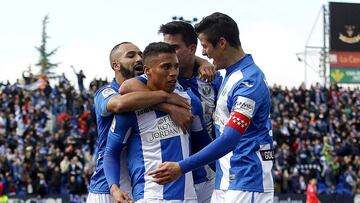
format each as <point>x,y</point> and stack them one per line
<point>165,128</point>
<point>247,84</point>
<point>245,106</point>
<point>107,92</point>
<point>218,119</point>
<point>267,155</point>
<point>142,111</point>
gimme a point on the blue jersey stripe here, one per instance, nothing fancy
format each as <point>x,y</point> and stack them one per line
<point>173,190</point>
<point>136,163</point>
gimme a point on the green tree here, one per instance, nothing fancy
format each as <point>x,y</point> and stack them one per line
<point>46,66</point>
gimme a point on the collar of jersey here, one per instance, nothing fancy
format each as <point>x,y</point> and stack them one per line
<point>114,84</point>
<point>241,64</point>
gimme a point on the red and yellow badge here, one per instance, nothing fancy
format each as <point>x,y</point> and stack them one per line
<point>107,92</point>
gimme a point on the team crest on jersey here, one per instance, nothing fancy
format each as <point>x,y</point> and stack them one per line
<point>206,90</point>
<point>107,92</point>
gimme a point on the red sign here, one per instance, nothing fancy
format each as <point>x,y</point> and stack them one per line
<point>344,59</point>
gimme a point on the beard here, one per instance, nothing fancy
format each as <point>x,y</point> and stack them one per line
<point>131,72</point>
<point>126,73</point>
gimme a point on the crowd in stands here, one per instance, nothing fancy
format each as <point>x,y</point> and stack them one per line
<point>48,137</point>
<point>316,134</point>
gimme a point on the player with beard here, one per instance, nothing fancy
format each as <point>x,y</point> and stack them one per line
<point>126,61</point>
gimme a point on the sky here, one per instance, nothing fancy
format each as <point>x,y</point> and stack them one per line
<point>274,32</point>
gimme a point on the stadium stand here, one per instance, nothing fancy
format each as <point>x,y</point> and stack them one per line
<point>48,138</point>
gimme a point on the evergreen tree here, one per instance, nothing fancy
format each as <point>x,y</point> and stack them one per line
<point>46,66</point>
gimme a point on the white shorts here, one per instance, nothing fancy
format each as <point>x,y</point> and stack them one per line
<point>165,201</point>
<point>238,196</point>
<point>99,198</point>
<point>205,190</point>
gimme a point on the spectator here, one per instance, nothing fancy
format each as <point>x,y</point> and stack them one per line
<point>80,78</point>
<point>3,197</point>
<point>316,128</point>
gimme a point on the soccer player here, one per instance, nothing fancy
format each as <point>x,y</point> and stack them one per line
<point>243,127</point>
<point>126,61</point>
<point>152,137</point>
<point>182,36</point>
<point>311,192</point>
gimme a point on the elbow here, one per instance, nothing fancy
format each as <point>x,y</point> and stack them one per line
<point>124,89</point>
<point>119,107</point>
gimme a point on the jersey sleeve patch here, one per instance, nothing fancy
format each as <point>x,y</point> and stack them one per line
<point>107,92</point>
<point>239,121</point>
<point>244,106</point>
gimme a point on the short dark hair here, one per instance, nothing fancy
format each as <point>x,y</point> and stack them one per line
<point>219,25</point>
<point>156,48</point>
<point>114,49</point>
<point>186,30</point>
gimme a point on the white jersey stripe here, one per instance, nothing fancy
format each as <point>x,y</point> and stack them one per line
<point>225,166</point>
<point>221,117</point>
<point>268,183</point>
<point>152,156</point>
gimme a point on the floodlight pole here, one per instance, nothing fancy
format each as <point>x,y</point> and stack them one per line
<point>325,54</point>
<point>323,50</point>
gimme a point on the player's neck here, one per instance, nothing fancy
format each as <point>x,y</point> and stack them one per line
<point>233,56</point>
<point>151,86</point>
<point>187,70</point>
<point>119,79</point>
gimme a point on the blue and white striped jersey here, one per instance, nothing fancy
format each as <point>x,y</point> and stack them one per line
<point>243,130</point>
<point>152,138</point>
<point>98,183</point>
<point>205,92</point>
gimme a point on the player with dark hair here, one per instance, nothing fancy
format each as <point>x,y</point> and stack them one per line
<point>152,137</point>
<point>243,146</point>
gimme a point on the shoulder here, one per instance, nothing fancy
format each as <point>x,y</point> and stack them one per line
<point>105,91</point>
<point>252,82</point>
<point>143,78</point>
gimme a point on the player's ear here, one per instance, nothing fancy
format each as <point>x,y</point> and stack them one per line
<point>222,42</point>
<point>193,48</point>
<point>146,69</point>
<point>115,65</point>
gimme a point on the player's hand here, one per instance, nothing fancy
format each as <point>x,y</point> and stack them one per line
<point>119,196</point>
<point>206,71</point>
<point>182,117</point>
<point>178,100</point>
<point>166,172</point>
